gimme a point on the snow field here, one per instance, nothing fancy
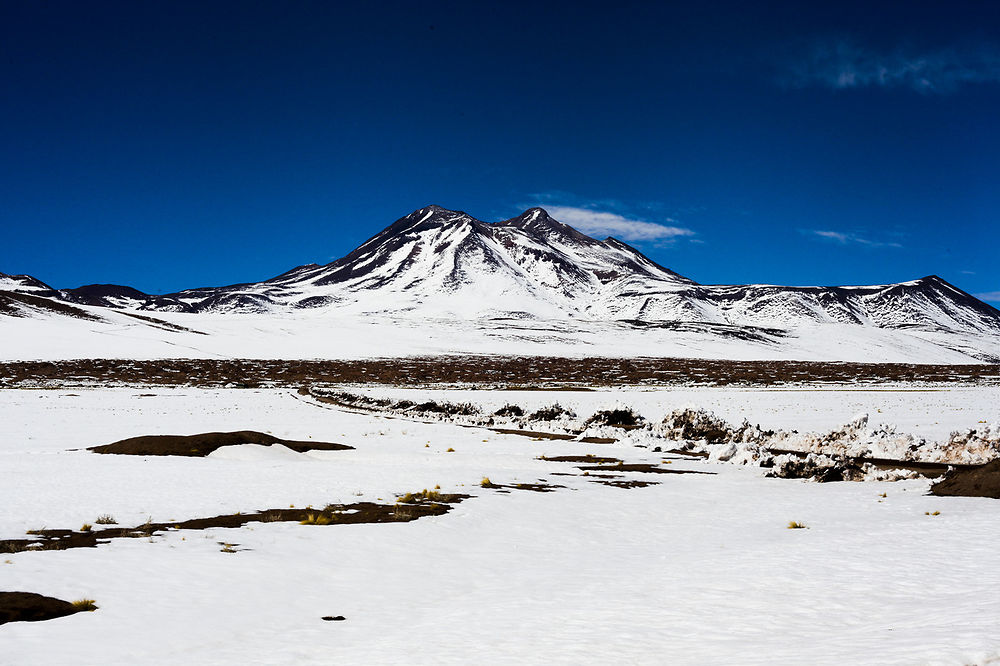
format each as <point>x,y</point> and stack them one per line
<point>695,569</point>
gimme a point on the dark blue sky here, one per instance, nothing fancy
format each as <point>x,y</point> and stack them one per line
<point>168,145</point>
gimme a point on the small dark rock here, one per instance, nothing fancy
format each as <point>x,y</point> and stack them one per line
<point>334,618</point>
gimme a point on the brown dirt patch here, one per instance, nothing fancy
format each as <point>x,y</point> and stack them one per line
<point>333,514</point>
<point>627,484</point>
<point>203,444</point>
<point>588,458</point>
<point>983,481</point>
<point>553,435</point>
<point>645,468</point>
<point>533,487</point>
<point>31,607</point>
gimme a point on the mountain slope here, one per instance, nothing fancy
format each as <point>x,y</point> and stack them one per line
<point>441,264</point>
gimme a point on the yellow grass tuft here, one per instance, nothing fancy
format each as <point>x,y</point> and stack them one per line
<point>316,519</point>
<point>423,495</point>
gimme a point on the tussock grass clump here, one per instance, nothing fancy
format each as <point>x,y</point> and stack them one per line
<point>551,413</point>
<point>86,527</point>
<point>449,408</point>
<point>619,418</point>
<point>793,525</point>
<point>932,513</point>
<point>696,424</point>
<point>486,483</point>
<point>450,450</point>
<point>355,400</point>
<point>85,605</point>
<point>509,410</point>
<point>423,496</point>
<point>106,519</point>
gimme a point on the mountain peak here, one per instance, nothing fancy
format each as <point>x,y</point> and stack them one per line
<point>533,215</point>
<point>537,221</point>
<point>434,209</point>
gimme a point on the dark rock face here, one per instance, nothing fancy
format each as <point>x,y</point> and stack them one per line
<point>107,295</point>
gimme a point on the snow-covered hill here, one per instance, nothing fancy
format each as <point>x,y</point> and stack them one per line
<point>438,265</point>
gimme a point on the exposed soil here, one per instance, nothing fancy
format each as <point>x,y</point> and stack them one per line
<point>686,454</point>
<point>627,484</point>
<point>490,371</point>
<point>333,514</point>
<point>981,481</point>
<point>204,443</point>
<point>638,467</point>
<point>31,607</point>
<point>588,458</point>
<point>533,487</point>
<point>554,435</point>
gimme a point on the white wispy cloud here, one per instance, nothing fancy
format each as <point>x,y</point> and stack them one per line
<point>602,223</point>
<point>988,296</point>
<point>843,64</point>
<point>846,238</point>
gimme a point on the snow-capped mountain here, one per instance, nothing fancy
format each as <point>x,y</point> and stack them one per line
<point>436,262</point>
<point>446,265</point>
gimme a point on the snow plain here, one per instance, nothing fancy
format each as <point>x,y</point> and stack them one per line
<point>696,569</point>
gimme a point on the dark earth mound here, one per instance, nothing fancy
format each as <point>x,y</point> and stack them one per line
<point>205,443</point>
<point>31,607</point>
<point>971,482</point>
